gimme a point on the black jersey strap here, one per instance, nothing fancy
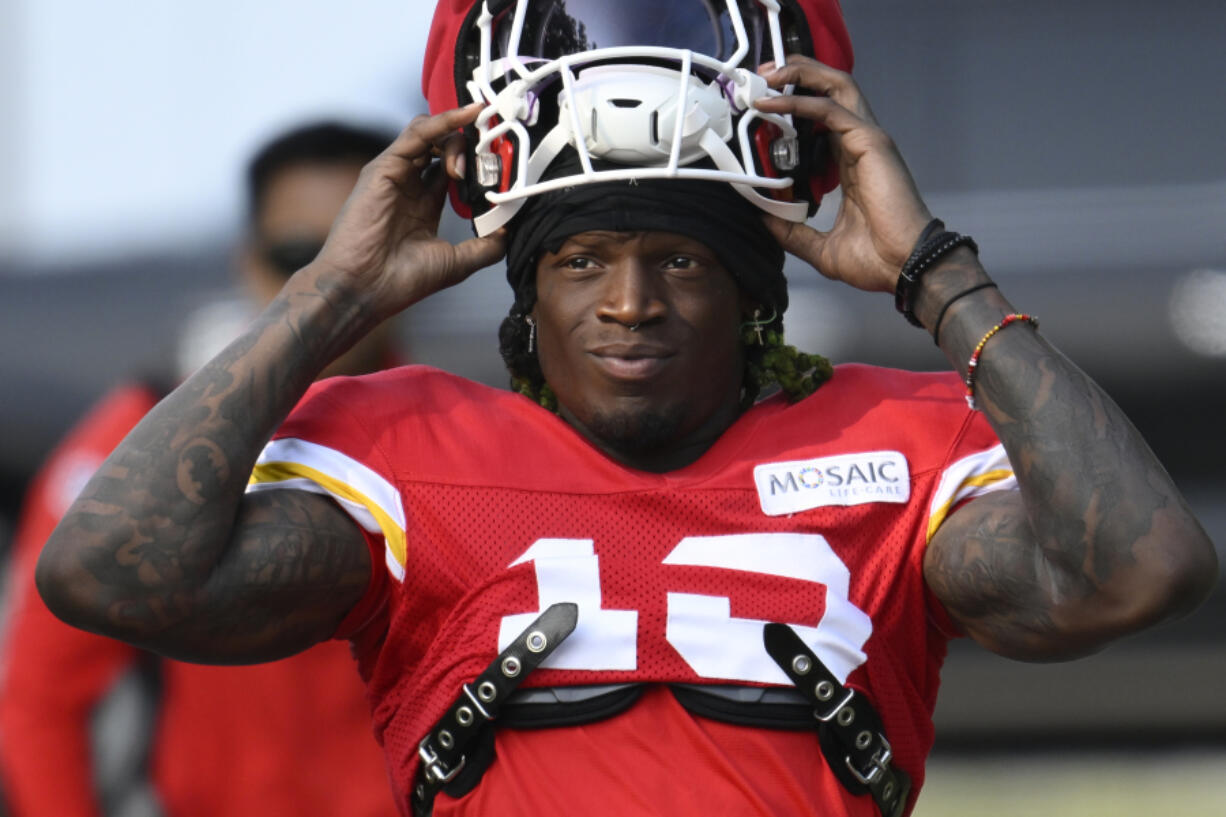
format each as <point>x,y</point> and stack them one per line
<point>445,750</point>
<point>851,733</point>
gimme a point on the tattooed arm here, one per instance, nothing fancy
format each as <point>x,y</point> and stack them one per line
<point>162,549</point>
<point>1098,542</point>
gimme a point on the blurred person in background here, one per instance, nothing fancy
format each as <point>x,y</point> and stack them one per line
<point>286,738</point>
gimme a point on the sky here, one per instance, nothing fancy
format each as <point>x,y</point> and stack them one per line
<point>126,123</point>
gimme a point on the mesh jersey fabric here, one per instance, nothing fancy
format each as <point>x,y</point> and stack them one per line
<point>486,508</point>
<point>288,737</point>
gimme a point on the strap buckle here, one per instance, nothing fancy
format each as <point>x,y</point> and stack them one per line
<point>442,750</point>
<point>432,765</point>
<point>878,764</point>
<point>834,710</point>
<point>468,693</point>
<point>859,756</point>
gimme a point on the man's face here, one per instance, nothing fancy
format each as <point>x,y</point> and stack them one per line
<point>637,335</point>
<point>298,208</point>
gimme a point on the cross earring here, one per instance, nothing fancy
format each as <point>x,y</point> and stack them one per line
<point>757,324</point>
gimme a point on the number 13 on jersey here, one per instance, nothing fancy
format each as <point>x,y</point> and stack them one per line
<point>701,628</point>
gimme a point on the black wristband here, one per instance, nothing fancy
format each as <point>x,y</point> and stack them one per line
<point>926,254</point>
<point>931,229</point>
<point>904,284</point>
<point>936,327</point>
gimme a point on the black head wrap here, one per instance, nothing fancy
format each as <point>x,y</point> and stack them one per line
<point>711,213</point>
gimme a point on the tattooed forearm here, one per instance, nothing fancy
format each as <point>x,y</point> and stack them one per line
<point>1101,542</point>
<point>157,549</point>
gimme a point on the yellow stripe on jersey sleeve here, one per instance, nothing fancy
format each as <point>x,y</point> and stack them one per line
<point>978,474</point>
<point>367,497</point>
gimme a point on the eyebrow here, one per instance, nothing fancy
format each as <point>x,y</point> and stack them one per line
<point>597,238</point>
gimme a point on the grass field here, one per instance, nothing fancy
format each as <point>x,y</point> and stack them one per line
<point>1162,784</point>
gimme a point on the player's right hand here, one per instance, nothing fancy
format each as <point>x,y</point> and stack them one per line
<point>384,247</point>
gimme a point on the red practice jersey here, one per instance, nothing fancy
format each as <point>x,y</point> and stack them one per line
<point>485,509</point>
<point>288,738</point>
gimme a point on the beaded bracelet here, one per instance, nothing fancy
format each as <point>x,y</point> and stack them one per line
<point>928,251</point>
<point>973,364</point>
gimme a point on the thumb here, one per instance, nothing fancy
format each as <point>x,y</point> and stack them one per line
<point>476,253</point>
<point>799,240</point>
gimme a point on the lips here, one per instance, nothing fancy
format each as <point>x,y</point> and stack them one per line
<point>631,361</point>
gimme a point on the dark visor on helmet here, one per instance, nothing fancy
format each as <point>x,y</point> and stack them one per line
<point>558,28</point>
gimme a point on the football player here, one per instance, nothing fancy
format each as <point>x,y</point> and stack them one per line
<point>685,569</point>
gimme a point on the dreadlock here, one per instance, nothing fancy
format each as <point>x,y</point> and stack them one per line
<point>526,376</point>
<point>769,363</point>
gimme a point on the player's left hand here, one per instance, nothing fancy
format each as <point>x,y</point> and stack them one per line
<point>882,214</point>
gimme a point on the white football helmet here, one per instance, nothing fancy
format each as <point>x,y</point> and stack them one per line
<point>638,89</point>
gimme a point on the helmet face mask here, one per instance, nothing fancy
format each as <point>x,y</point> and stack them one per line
<point>637,89</point>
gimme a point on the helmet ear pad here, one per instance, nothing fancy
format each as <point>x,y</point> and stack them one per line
<point>815,28</point>
<point>465,192</point>
<point>818,173</point>
<point>455,42</point>
<point>460,30</point>
<point>468,195</point>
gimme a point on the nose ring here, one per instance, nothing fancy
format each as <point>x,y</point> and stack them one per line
<point>634,327</point>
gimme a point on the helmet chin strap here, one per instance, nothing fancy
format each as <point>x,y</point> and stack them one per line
<point>726,160</point>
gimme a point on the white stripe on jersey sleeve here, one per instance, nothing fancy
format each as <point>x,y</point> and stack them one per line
<point>972,476</point>
<point>372,501</point>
